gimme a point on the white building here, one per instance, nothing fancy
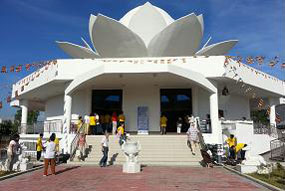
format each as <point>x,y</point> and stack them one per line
<point>147,59</point>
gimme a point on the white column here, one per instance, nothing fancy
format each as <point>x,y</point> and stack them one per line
<point>24,118</point>
<point>272,116</point>
<point>67,121</point>
<point>195,101</point>
<point>214,114</point>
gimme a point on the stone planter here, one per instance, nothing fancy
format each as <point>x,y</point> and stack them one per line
<point>131,150</point>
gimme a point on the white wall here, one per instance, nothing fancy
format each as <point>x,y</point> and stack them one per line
<point>259,143</point>
<point>203,103</point>
<point>133,97</point>
<point>54,108</point>
<point>234,106</point>
<point>81,102</point>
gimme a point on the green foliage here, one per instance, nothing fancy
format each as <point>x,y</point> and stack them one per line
<point>8,128</point>
<point>276,178</point>
<point>32,117</point>
<point>260,116</point>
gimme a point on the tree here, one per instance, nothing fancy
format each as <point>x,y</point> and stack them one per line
<point>260,116</point>
<point>32,117</point>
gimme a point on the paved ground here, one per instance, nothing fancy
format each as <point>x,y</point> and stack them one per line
<point>92,178</point>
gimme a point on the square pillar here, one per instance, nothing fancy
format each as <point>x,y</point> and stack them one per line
<point>195,101</point>
<point>214,115</point>
<point>66,121</point>
<point>272,117</point>
<point>24,117</point>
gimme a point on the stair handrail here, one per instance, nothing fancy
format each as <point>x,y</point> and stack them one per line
<point>279,148</point>
<point>74,143</point>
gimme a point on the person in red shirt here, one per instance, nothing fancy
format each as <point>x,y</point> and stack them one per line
<point>114,122</point>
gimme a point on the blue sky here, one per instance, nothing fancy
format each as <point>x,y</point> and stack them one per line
<point>29,28</point>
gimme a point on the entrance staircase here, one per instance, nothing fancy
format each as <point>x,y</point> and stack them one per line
<point>166,150</point>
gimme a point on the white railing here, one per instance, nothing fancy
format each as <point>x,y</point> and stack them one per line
<point>228,125</point>
<point>74,144</point>
<point>270,130</point>
<point>54,126</point>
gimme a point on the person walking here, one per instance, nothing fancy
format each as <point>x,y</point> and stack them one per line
<point>79,124</point>
<point>105,150</point>
<point>114,123</point>
<point>179,125</point>
<point>163,124</point>
<point>39,147</point>
<point>82,145</point>
<point>193,137</point>
<point>49,156</point>
<point>121,134</point>
<point>86,122</point>
<point>12,151</point>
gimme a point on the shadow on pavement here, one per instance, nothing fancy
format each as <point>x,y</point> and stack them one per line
<point>113,159</point>
<point>67,169</point>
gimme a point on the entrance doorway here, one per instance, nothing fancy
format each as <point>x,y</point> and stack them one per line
<point>175,103</point>
<point>104,103</point>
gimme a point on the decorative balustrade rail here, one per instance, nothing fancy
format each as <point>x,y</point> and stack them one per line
<point>54,126</point>
<point>74,144</point>
<point>205,126</point>
<point>270,130</point>
<point>277,147</point>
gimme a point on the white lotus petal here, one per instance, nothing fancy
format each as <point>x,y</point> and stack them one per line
<point>85,43</point>
<point>77,51</point>
<point>148,16</point>
<point>181,38</point>
<point>92,20</point>
<point>113,39</point>
<point>207,42</point>
<point>201,20</point>
<point>220,48</point>
<point>125,20</point>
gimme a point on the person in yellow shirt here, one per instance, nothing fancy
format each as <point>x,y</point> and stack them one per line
<point>56,141</point>
<point>239,150</point>
<point>121,133</point>
<point>92,123</point>
<point>232,142</point>
<point>39,147</point>
<point>163,124</point>
<point>79,123</point>
<point>121,129</point>
<point>108,122</point>
<point>122,118</point>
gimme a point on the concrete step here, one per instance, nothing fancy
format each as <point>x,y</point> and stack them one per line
<point>153,154</point>
<point>142,160</point>
<point>155,150</point>
<point>173,163</point>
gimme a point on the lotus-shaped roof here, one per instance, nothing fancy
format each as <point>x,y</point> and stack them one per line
<point>145,31</point>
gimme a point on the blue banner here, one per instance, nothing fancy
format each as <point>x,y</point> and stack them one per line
<point>143,120</point>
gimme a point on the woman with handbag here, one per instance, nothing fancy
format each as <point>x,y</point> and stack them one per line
<point>49,155</point>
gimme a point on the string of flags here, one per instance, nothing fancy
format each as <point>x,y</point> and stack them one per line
<point>260,60</point>
<point>248,89</point>
<point>4,70</point>
<point>27,67</point>
<point>249,60</point>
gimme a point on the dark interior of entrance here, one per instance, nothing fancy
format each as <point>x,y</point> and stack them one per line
<point>106,101</point>
<point>175,103</point>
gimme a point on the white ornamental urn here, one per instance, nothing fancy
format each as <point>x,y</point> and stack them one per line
<point>131,150</point>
